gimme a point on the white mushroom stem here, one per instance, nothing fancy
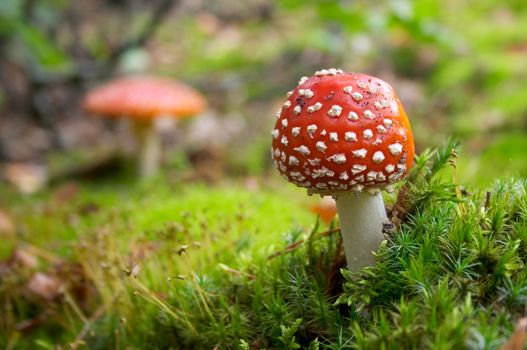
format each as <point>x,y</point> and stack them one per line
<point>361,217</point>
<point>149,144</point>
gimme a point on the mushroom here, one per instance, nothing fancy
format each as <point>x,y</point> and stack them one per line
<point>325,208</point>
<point>143,99</point>
<point>345,135</point>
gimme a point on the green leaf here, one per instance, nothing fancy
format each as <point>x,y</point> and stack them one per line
<point>41,48</point>
<point>288,335</point>
<point>243,345</point>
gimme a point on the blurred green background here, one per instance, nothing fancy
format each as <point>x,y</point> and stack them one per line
<point>458,66</point>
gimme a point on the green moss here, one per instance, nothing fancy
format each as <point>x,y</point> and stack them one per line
<point>451,275</point>
<point>503,157</point>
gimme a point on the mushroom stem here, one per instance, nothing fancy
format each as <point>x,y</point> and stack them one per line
<point>361,217</point>
<point>149,145</point>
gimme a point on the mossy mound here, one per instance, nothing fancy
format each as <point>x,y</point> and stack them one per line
<point>450,275</point>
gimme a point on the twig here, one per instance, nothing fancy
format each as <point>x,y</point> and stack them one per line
<point>292,246</point>
<point>236,272</point>
<point>89,323</point>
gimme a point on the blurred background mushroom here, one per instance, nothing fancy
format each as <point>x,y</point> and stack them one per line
<point>148,102</point>
<point>325,208</point>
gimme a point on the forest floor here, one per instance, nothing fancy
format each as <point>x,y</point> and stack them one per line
<point>164,264</point>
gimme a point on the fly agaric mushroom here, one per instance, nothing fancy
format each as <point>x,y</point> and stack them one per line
<point>345,135</point>
<point>143,99</point>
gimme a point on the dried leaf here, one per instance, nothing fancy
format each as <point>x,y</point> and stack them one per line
<point>26,177</point>
<point>7,227</point>
<point>44,286</point>
<point>66,193</point>
<point>22,258</point>
<point>518,338</point>
<point>326,208</point>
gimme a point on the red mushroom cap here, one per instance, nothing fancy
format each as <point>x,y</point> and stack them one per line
<point>144,97</point>
<point>340,131</point>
